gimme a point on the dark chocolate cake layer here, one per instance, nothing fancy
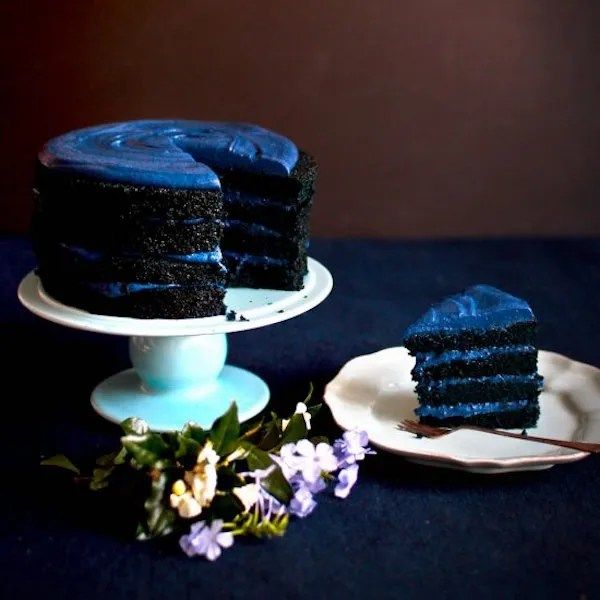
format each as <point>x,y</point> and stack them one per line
<point>515,334</point>
<point>452,390</point>
<point>251,271</point>
<point>477,362</point>
<point>142,301</point>
<point>520,419</point>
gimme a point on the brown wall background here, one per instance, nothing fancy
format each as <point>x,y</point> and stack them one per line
<point>428,117</point>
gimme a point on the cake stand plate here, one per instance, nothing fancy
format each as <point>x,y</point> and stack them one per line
<point>179,373</point>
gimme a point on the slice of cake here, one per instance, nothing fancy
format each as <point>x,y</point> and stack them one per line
<point>476,361</point>
<point>154,219</point>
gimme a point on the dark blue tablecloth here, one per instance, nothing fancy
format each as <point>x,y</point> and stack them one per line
<point>406,531</point>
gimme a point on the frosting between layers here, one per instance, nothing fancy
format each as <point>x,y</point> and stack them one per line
<point>115,289</point>
<point>471,409</point>
<point>426,360</point>
<point>480,307</point>
<point>170,153</point>
<point>205,257</point>
<point>441,384</point>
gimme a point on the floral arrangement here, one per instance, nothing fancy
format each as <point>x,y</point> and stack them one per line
<point>211,485</point>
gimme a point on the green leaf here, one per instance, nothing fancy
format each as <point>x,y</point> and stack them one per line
<point>226,507</point>
<point>272,436</point>
<point>61,461</point>
<point>134,426</point>
<point>159,517</point>
<point>275,483</point>
<point>100,478</point>
<point>195,432</point>
<point>295,430</point>
<point>250,429</point>
<point>225,432</point>
<point>188,448</point>
<point>227,479</point>
<point>148,450</point>
<point>113,458</point>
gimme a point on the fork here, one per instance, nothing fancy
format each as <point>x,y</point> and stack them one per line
<point>433,432</point>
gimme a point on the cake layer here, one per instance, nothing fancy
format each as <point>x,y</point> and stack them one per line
<point>247,270</point>
<point>142,235</point>
<point>521,417</point>
<point>518,334</point>
<point>169,268</point>
<point>456,390</point>
<point>148,300</point>
<point>480,316</point>
<point>476,362</point>
<point>256,239</point>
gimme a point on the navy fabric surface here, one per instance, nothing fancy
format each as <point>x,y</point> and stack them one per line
<point>406,531</point>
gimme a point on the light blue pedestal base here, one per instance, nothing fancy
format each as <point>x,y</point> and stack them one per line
<point>179,379</point>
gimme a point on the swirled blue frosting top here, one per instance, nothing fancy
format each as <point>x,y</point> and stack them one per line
<point>170,153</point>
<point>480,307</point>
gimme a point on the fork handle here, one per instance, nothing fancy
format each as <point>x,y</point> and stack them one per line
<point>583,446</point>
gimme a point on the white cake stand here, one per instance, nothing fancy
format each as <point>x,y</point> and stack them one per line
<point>179,372</point>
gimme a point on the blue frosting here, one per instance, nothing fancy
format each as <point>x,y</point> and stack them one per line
<point>207,257</point>
<point>480,307</point>
<point>114,289</point>
<point>170,153</point>
<point>425,360</point>
<point>441,384</point>
<point>469,410</point>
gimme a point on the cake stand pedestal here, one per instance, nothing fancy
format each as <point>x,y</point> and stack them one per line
<point>179,372</point>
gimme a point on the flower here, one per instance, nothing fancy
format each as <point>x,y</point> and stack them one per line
<point>313,460</point>
<point>247,494</point>
<point>202,479</point>
<point>345,481</point>
<point>301,409</point>
<point>206,540</point>
<point>351,447</point>
<point>187,506</point>
<point>314,487</point>
<point>307,459</point>
<point>302,503</point>
<point>138,426</point>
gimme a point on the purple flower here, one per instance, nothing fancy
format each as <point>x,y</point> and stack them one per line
<point>297,481</point>
<point>303,503</point>
<point>206,540</point>
<point>313,460</point>
<point>345,481</point>
<point>351,447</point>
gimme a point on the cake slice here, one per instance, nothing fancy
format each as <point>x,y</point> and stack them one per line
<point>476,360</point>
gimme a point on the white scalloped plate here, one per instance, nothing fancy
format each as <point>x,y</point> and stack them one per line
<point>375,391</point>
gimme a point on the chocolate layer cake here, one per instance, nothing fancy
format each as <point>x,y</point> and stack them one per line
<point>154,219</point>
<point>476,361</point>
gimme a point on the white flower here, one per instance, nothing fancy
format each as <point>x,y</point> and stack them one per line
<point>247,494</point>
<point>202,479</point>
<point>187,506</point>
<point>301,409</point>
<point>139,426</point>
<point>208,455</point>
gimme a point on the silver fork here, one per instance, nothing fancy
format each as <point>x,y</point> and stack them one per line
<point>433,432</point>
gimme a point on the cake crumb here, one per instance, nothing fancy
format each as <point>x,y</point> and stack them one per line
<point>524,433</point>
<point>230,315</point>
<point>243,318</point>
